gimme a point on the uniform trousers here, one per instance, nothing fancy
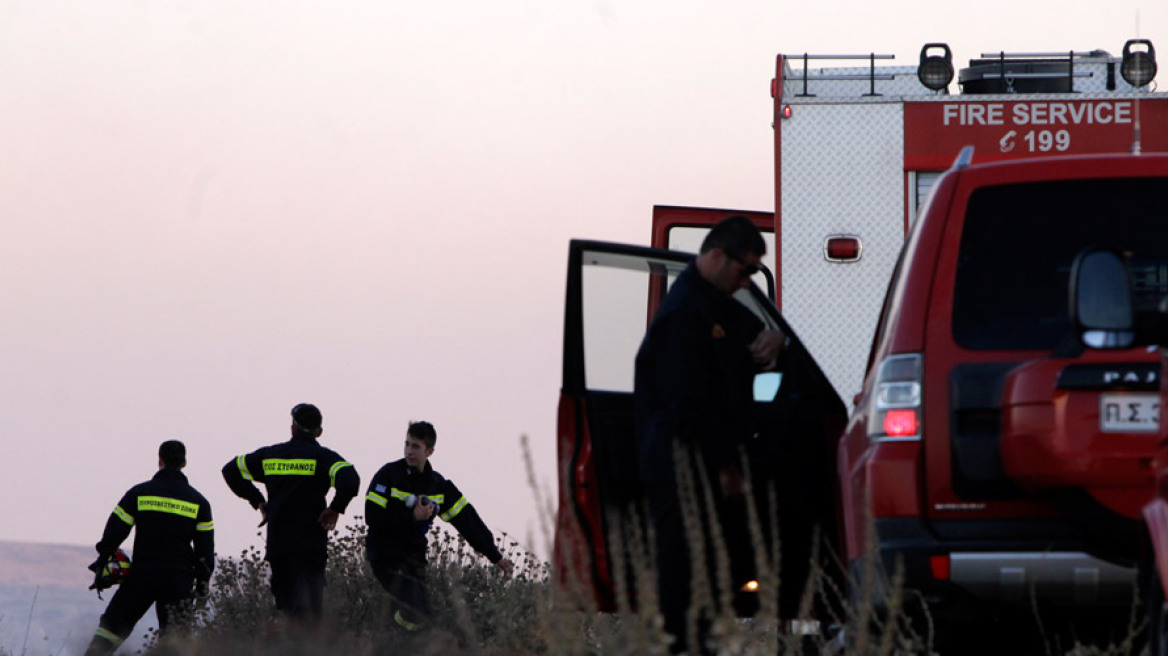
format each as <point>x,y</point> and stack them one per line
<point>169,592</point>
<point>406,584</point>
<point>298,583</point>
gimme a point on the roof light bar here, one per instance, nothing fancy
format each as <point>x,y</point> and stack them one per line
<point>1139,66</point>
<point>935,71</point>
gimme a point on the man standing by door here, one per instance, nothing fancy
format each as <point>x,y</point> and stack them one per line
<point>693,391</point>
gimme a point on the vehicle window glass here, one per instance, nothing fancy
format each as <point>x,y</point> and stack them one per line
<point>615,306</point>
<point>1018,243</point>
<point>616,292</point>
<point>924,184</point>
<point>758,309</point>
<point>688,239</point>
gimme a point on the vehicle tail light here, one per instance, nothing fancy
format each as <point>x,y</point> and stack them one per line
<point>939,565</point>
<point>842,248</point>
<point>895,408</point>
<point>900,422</point>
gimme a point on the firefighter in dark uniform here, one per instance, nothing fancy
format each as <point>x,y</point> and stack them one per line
<point>170,516</point>
<point>297,474</point>
<point>403,499</point>
<point>694,388</point>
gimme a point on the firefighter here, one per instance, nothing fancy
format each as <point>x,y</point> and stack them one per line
<point>404,498</point>
<point>297,474</point>
<point>170,517</point>
<point>693,389</point>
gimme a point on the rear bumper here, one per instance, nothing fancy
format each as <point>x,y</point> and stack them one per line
<point>1003,561</point>
<point>1071,577</point>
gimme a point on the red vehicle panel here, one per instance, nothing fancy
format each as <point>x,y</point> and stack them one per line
<point>1017,129</point>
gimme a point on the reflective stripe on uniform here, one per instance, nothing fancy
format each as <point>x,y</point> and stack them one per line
<point>400,495</point>
<point>123,515</point>
<point>241,462</point>
<point>454,510</point>
<point>377,499</point>
<point>168,505</point>
<point>404,623</point>
<point>105,633</point>
<point>438,498</point>
<point>333,471</point>
<point>289,467</point>
<point>205,526</point>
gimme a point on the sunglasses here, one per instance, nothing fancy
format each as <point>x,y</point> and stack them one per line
<point>748,270</point>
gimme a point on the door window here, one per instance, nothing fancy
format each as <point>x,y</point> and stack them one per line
<point>616,298</point>
<point>688,239</point>
<point>620,294</point>
<point>1018,243</point>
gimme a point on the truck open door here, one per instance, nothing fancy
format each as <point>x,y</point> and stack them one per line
<point>612,293</point>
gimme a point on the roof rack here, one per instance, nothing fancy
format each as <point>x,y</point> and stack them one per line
<point>872,76</point>
<point>1046,72</point>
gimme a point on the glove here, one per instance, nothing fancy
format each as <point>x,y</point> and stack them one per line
<point>99,564</point>
<point>96,567</point>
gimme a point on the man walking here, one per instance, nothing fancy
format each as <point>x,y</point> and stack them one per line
<point>403,499</point>
<point>297,474</point>
<point>174,549</point>
<point>693,390</point>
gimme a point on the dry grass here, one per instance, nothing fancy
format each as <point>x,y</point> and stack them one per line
<point>475,612</point>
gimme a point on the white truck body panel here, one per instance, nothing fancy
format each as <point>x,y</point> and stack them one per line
<point>845,177</point>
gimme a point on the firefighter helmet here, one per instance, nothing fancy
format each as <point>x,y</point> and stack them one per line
<point>114,571</point>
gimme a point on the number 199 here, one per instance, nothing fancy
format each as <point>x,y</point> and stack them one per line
<point>1045,140</point>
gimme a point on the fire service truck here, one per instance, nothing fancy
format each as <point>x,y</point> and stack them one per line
<point>858,148</point>
<point>918,242</point>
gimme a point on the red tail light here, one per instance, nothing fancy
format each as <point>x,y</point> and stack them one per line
<point>842,248</point>
<point>894,409</point>
<point>901,423</point>
<point>940,567</point>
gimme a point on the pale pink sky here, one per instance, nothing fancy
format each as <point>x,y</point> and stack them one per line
<point>215,210</point>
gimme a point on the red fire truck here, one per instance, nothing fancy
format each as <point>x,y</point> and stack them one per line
<point>896,300</point>
<point>858,148</point>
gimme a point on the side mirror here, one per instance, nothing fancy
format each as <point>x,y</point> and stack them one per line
<point>1101,299</point>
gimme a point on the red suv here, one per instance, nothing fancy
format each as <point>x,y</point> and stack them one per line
<point>1001,463</point>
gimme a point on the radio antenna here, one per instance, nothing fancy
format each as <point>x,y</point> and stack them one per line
<point>1136,146</point>
<point>1136,130</point>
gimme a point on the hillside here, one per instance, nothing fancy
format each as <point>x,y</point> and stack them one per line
<point>45,606</point>
<point>25,563</point>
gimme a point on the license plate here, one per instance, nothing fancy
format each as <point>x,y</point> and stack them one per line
<point>1129,413</point>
